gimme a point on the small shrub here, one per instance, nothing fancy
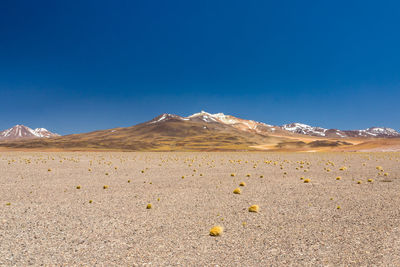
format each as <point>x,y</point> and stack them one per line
<point>237,191</point>
<point>254,208</point>
<point>216,230</point>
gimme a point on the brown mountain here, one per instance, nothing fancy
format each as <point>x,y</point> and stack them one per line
<point>164,133</point>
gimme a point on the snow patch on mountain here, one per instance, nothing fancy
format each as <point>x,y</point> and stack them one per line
<point>166,117</point>
<point>304,129</point>
<point>378,132</point>
<point>204,116</point>
<point>230,120</point>
<point>383,131</point>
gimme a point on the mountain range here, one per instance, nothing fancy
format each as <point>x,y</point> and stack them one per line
<point>199,132</point>
<point>299,128</point>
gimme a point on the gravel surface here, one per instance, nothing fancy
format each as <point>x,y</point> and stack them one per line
<point>46,220</point>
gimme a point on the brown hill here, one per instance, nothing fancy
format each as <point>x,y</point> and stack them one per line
<point>172,134</point>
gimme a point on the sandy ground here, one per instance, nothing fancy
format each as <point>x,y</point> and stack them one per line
<point>46,220</point>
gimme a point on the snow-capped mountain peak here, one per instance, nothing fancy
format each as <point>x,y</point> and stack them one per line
<point>21,131</point>
<point>380,131</point>
<point>42,132</point>
<point>201,113</point>
<point>204,116</point>
<point>318,131</point>
<point>304,129</point>
<point>166,117</point>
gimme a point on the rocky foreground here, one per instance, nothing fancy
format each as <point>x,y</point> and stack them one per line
<point>92,209</point>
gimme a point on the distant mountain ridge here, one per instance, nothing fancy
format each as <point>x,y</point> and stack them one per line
<point>297,128</point>
<point>204,131</point>
<point>24,132</point>
<point>305,129</point>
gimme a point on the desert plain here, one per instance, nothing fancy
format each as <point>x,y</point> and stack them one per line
<point>92,209</point>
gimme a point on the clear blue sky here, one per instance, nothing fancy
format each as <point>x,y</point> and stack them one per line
<point>78,66</point>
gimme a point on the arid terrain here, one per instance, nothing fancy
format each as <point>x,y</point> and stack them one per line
<point>90,208</point>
